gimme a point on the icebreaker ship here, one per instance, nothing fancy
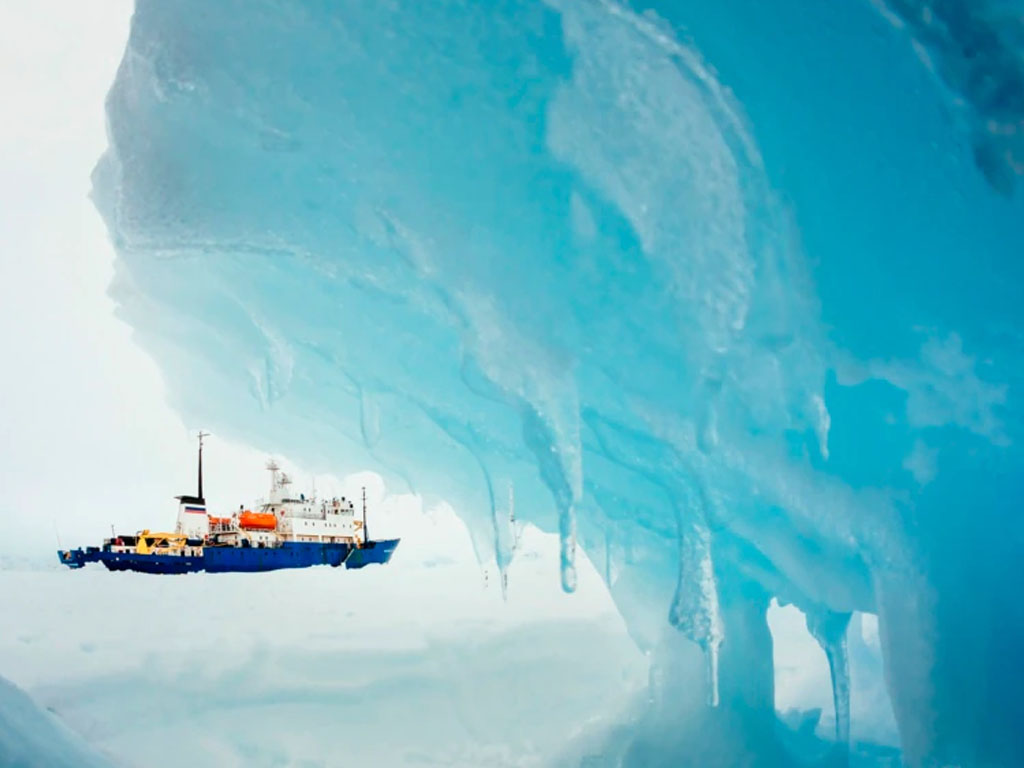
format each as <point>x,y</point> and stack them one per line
<point>731,292</point>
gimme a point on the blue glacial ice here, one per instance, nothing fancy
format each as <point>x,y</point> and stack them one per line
<point>729,293</point>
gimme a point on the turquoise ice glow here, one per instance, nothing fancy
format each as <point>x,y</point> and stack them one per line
<point>730,292</point>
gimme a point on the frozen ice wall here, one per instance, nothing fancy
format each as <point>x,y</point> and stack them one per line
<point>729,293</point>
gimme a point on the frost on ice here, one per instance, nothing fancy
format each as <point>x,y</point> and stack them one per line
<point>719,291</point>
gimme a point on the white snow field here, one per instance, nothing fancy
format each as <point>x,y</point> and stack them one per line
<point>417,663</point>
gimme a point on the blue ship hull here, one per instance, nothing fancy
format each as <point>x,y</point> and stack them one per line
<point>373,552</point>
<point>225,559</point>
<point>131,561</point>
<point>291,554</point>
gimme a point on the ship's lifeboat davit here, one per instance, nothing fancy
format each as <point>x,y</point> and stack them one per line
<point>257,521</point>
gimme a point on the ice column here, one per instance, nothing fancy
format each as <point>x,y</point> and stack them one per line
<point>695,609</point>
<point>829,629</point>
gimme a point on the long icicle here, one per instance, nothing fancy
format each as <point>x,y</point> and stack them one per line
<point>829,629</point>
<point>695,608</point>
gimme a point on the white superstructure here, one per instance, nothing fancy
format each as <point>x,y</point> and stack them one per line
<point>283,517</point>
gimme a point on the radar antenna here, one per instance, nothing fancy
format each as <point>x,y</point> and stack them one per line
<point>273,467</point>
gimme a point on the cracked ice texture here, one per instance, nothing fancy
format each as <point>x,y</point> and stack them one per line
<point>720,290</point>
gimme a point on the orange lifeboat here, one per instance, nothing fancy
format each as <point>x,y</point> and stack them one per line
<point>260,521</point>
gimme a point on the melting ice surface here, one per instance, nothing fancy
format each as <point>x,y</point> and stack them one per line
<point>730,293</point>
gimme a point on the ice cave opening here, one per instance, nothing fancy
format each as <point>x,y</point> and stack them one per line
<point>730,293</point>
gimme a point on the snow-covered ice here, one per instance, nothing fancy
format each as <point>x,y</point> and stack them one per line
<point>421,662</point>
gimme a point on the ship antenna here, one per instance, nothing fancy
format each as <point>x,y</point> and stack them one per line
<point>366,532</point>
<point>201,436</point>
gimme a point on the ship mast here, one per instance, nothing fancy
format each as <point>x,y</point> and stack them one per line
<point>201,436</point>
